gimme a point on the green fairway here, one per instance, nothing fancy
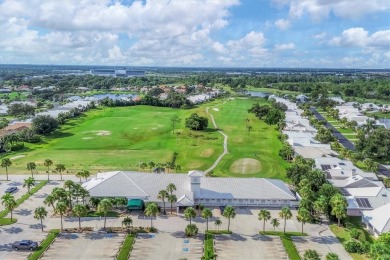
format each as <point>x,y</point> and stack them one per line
<point>122,137</point>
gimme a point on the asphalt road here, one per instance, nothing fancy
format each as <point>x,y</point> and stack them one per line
<point>345,142</point>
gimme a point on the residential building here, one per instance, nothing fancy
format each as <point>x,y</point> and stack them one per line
<point>377,221</point>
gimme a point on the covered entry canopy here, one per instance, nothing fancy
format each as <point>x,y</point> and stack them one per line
<point>135,204</point>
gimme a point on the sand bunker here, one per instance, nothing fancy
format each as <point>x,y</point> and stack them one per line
<point>207,153</point>
<point>103,133</point>
<point>215,109</point>
<point>17,157</point>
<point>246,166</point>
<point>87,138</point>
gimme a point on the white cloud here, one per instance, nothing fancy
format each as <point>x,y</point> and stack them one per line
<point>285,46</point>
<point>282,24</point>
<point>320,36</point>
<point>359,37</point>
<point>320,9</point>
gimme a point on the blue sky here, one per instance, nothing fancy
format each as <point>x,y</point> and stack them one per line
<point>223,33</point>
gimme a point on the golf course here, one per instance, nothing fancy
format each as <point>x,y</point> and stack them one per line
<point>121,138</point>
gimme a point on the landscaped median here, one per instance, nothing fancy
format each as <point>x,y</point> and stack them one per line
<point>44,245</point>
<point>209,251</point>
<point>7,221</point>
<point>288,244</point>
<point>126,248</point>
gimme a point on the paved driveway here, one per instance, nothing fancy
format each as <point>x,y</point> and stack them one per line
<point>167,245</point>
<point>85,246</point>
<point>236,246</point>
<point>17,194</point>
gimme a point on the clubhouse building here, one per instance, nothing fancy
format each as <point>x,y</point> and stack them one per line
<point>193,189</point>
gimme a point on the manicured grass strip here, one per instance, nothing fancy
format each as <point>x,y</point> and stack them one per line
<point>7,221</point>
<point>287,242</point>
<point>101,214</point>
<point>126,248</point>
<point>44,245</point>
<point>208,246</point>
<point>25,197</point>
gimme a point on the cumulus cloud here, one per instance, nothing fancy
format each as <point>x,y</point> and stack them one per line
<point>359,37</point>
<point>320,9</point>
<point>285,46</point>
<point>282,24</point>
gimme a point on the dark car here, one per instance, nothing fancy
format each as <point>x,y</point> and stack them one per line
<point>11,189</point>
<point>222,208</point>
<point>25,245</point>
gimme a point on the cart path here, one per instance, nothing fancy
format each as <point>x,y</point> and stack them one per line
<point>225,139</point>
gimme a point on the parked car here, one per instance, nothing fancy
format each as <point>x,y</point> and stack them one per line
<point>24,245</point>
<point>11,189</point>
<point>222,208</point>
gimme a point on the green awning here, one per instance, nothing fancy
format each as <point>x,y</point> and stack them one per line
<point>135,204</point>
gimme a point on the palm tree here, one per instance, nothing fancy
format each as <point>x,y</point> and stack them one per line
<point>151,211</point>
<point>80,211</point>
<point>48,163</point>
<point>217,223</point>
<point>285,214</point>
<point>303,216</point>
<point>50,200</point>
<point>151,165</point>
<point>275,223</point>
<point>143,165</point>
<point>104,206</point>
<point>5,163</point>
<point>127,222</point>
<point>171,188</point>
<point>60,168</point>
<point>31,166</point>
<point>40,213</point>
<point>69,184</point>
<point>80,174</point>
<point>61,209</point>
<point>172,199</point>
<point>9,202</point>
<point>229,213</point>
<point>189,213</point>
<point>94,201</point>
<point>339,207</point>
<point>264,215</point>
<point>84,193</point>
<point>206,214</point>
<point>162,195</point>
<point>29,182</point>
<point>86,174</point>
<point>191,230</point>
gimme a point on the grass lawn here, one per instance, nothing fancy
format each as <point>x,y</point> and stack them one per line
<point>44,245</point>
<point>126,248</point>
<point>7,221</point>
<point>379,114</point>
<point>343,235</point>
<point>287,242</point>
<point>122,137</point>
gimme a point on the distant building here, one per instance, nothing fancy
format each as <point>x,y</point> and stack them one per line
<point>302,98</point>
<point>117,72</point>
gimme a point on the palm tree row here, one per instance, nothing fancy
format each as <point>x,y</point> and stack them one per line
<point>167,165</point>
<point>168,194</point>
<point>265,215</point>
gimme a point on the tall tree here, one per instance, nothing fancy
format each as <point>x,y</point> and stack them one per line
<point>264,215</point>
<point>218,223</point>
<point>61,209</point>
<point>31,166</point>
<point>5,163</point>
<point>285,214</point>
<point>189,213</point>
<point>40,213</point>
<point>127,222</point>
<point>171,188</point>
<point>229,213</point>
<point>172,199</point>
<point>104,206</point>
<point>60,168</point>
<point>162,195</point>
<point>79,211</point>
<point>9,202</point>
<point>303,216</point>
<point>29,182</point>
<point>48,163</point>
<point>174,120</point>
<point>151,211</point>
<point>339,207</point>
<point>69,184</point>
<point>207,214</point>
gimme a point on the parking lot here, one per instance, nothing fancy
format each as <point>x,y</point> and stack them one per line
<point>237,246</point>
<point>17,194</point>
<point>166,245</point>
<point>91,245</point>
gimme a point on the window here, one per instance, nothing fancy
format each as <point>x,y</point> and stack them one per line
<point>240,201</point>
<point>262,201</point>
<point>252,201</point>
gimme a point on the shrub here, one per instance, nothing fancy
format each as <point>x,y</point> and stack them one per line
<point>311,255</point>
<point>17,147</point>
<point>352,246</point>
<point>354,233</point>
<point>332,256</point>
<point>191,230</point>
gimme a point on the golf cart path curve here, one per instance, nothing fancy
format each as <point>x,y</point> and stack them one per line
<point>225,139</point>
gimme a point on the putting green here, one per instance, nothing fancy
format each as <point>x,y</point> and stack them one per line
<point>246,166</point>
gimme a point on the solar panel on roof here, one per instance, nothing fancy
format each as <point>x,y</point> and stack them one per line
<point>344,192</point>
<point>363,202</point>
<point>325,167</point>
